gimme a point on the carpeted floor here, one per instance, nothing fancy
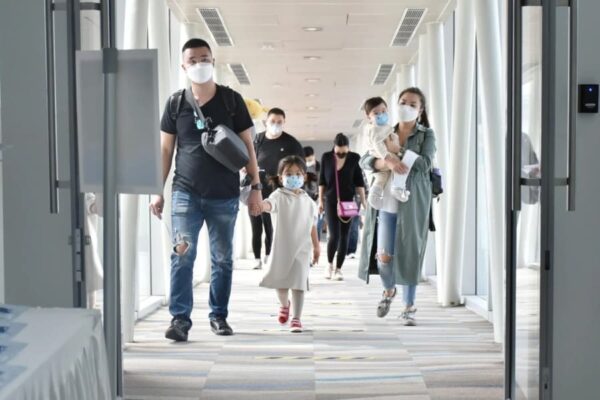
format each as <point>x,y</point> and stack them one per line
<point>346,352</point>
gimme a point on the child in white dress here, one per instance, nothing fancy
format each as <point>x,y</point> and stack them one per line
<point>381,140</point>
<point>295,242</point>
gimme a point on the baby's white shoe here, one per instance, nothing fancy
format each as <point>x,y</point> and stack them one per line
<point>375,197</point>
<point>401,194</point>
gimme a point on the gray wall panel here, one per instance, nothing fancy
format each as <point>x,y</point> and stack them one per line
<point>577,266</point>
<point>37,255</point>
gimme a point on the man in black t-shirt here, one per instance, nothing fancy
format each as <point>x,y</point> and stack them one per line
<point>204,190</point>
<point>271,146</point>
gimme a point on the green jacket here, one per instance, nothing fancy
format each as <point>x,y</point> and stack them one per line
<point>413,216</point>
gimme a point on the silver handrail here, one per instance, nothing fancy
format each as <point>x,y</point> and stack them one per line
<point>50,92</point>
<point>517,89</point>
<point>572,105</point>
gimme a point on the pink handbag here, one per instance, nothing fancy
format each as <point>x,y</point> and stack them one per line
<point>345,209</point>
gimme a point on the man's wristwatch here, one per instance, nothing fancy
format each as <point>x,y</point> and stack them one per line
<point>257,186</point>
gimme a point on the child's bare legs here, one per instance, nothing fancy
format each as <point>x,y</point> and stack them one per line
<point>284,309</point>
<point>297,303</point>
<point>297,300</point>
<point>376,191</point>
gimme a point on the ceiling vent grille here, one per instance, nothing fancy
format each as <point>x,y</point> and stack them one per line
<point>357,123</point>
<point>408,26</point>
<point>240,73</point>
<point>214,22</point>
<point>383,73</point>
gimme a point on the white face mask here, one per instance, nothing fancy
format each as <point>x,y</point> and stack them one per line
<point>407,113</point>
<point>200,73</point>
<point>275,129</point>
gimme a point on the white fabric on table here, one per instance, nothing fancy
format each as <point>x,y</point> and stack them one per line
<point>65,357</point>
<point>291,252</point>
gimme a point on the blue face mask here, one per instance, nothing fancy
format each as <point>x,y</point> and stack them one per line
<point>381,119</point>
<point>293,182</point>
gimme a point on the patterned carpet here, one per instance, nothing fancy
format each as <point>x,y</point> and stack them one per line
<point>346,352</point>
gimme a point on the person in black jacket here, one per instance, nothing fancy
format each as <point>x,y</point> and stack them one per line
<point>344,163</point>
<point>271,146</point>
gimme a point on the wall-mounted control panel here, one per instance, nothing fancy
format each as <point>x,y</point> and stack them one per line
<point>588,98</point>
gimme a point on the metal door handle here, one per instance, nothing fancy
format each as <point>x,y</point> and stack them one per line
<point>50,90</point>
<point>516,77</point>
<point>571,181</point>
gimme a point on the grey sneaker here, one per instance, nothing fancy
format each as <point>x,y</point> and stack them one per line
<point>328,271</point>
<point>384,304</point>
<point>408,316</point>
<point>337,275</point>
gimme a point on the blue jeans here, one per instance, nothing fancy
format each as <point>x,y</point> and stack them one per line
<point>189,212</point>
<point>353,235</point>
<point>386,237</point>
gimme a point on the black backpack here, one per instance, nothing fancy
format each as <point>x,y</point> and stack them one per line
<point>228,95</point>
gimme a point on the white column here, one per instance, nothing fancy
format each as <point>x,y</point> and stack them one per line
<point>135,37</point>
<point>158,38</point>
<point>462,106</point>
<point>423,64</point>
<point>406,77</point>
<point>490,61</point>
<point>439,122</point>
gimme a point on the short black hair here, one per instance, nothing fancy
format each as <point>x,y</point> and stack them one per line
<point>195,43</point>
<point>341,140</point>
<point>276,111</point>
<point>308,151</point>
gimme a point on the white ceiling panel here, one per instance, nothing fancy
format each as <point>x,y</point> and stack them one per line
<point>270,42</point>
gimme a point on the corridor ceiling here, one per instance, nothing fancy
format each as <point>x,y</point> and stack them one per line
<point>319,78</point>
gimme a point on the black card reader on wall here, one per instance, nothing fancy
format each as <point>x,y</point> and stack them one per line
<point>588,98</point>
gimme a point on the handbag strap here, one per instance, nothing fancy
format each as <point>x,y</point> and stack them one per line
<point>337,183</point>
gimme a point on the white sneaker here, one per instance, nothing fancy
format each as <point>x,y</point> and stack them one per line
<point>265,259</point>
<point>352,255</point>
<point>257,264</point>
<point>375,197</point>
<point>329,271</point>
<point>337,276</point>
<point>408,316</point>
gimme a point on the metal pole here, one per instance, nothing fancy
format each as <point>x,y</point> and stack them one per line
<point>112,329</point>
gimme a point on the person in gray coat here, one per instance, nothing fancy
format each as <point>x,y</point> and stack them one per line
<point>395,238</point>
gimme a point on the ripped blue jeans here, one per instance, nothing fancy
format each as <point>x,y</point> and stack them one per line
<point>189,212</point>
<point>386,238</point>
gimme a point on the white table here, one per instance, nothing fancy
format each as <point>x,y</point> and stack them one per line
<point>65,357</point>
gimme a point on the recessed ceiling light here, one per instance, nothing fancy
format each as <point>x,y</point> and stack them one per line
<point>313,80</point>
<point>312,95</point>
<point>277,85</point>
<point>312,28</point>
<point>267,46</point>
<point>311,108</point>
<point>312,58</point>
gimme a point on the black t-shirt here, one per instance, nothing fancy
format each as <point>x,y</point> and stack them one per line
<point>270,151</point>
<point>195,170</point>
<point>350,177</point>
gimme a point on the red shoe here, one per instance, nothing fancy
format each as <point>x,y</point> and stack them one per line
<point>295,325</point>
<point>284,314</point>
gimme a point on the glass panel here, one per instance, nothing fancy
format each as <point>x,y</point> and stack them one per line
<point>483,251</point>
<point>143,249</point>
<point>528,228</point>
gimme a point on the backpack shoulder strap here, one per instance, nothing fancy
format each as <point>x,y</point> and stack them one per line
<point>175,104</point>
<point>229,98</point>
